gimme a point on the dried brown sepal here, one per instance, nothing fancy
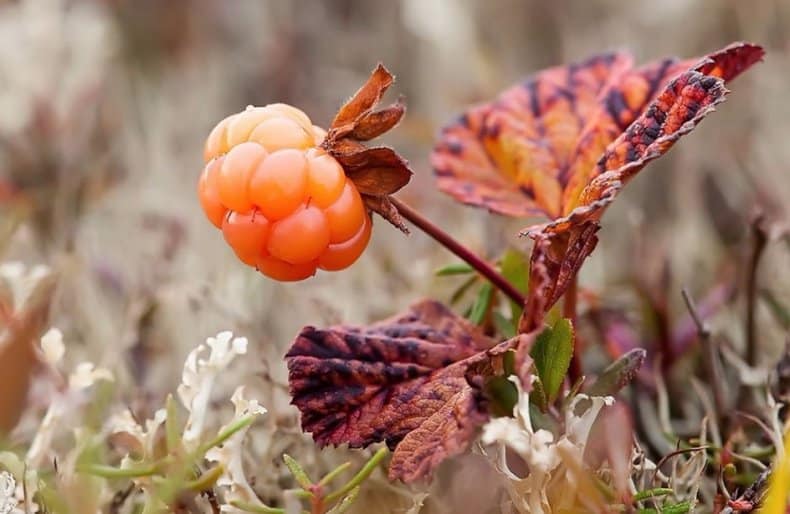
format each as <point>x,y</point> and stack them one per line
<point>361,103</point>
<point>377,172</point>
<point>408,381</point>
<point>383,206</point>
<point>376,123</point>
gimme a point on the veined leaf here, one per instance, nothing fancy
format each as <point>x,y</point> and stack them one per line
<point>552,353</point>
<point>515,268</point>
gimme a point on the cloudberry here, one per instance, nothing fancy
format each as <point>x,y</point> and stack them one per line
<point>283,204</point>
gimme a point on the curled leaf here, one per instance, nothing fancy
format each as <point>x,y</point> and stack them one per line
<point>410,381</point>
<point>563,144</point>
<point>562,245</point>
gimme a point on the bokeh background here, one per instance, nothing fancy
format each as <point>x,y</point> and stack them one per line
<point>105,105</point>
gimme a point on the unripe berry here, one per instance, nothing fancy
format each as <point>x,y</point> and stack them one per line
<point>283,204</point>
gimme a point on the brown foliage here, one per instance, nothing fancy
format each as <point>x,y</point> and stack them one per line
<point>412,381</point>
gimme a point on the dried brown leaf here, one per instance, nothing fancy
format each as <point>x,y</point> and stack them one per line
<point>404,381</point>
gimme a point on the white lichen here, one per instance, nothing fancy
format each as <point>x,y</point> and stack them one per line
<point>556,467</point>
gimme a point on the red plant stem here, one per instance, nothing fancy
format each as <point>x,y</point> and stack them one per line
<point>460,250</point>
<point>569,312</point>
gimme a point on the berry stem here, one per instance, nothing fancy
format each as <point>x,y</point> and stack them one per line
<point>446,240</point>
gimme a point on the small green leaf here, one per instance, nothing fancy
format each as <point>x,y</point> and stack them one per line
<point>298,472</point>
<point>538,395</point>
<point>345,503</point>
<point>677,508</point>
<point>207,480</point>
<point>552,353</point>
<point>504,326</point>
<point>327,479</point>
<point>618,374</point>
<point>482,303</point>
<point>460,268</point>
<point>103,471</point>
<point>652,493</point>
<point>369,467</point>
<point>227,433</point>
<point>515,268</point>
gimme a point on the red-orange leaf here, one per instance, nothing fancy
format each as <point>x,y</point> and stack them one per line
<point>565,142</point>
<point>562,245</point>
<point>533,150</point>
<point>512,156</point>
<point>403,381</point>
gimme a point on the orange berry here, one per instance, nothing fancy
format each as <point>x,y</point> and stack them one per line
<point>209,195</point>
<point>235,174</point>
<point>319,135</point>
<point>217,143</point>
<point>278,133</point>
<point>246,234</point>
<point>346,214</point>
<point>242,125</point>
<point>283,271</point>
<point>325,178</point>
<point>301,237</point>
<point>297,115</point>
<point>284,205</point>
<point>342,255</point>
<point>279,183</point>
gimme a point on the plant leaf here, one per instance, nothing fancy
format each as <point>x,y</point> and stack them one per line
<point>552,354</point>
<point>533,150</point>
<point>618,374</point>
<point>562,245</point>
<point>515,268</point>
<point>460,268</point>
<point>482,303</point>
<point>406,381</point>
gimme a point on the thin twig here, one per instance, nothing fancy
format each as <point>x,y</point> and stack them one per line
<point>760,239</point>
<point>711,361</point>
<point>460,250</point>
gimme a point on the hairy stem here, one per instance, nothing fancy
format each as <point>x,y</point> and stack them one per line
<point>460,250</point>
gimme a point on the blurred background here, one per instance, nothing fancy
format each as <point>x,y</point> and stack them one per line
<point>105,105</point>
